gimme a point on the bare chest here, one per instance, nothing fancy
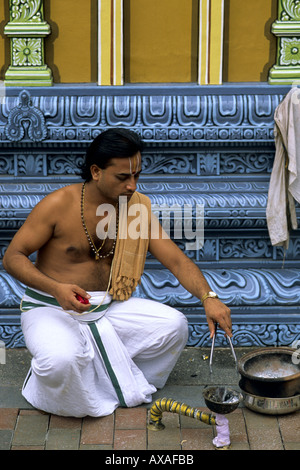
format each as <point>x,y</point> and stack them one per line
<point>81,237</point>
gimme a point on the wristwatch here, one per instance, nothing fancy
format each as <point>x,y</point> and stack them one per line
<point>210,294</point>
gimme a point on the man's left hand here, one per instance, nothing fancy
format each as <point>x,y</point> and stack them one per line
<point>217,312</point>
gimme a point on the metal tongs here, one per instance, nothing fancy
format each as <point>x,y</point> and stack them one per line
<point>213,347</point>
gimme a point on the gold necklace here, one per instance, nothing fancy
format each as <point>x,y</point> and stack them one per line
<point>96,250</point>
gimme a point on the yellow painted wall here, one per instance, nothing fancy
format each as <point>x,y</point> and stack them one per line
<point>71,50</point>
<point>4,42</point>
<point>250,47</point>
<point>161,40</point>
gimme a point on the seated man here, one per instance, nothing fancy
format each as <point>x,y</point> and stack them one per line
<point>94,346</point>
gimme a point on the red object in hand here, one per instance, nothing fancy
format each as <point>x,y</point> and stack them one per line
<point>81,299</point>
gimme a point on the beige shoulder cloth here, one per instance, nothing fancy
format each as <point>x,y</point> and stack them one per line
<point>131,247</point>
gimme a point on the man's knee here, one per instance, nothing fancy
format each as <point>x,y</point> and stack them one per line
<point>55,368</point>
<point>182,326</point>
<point>177,326</point>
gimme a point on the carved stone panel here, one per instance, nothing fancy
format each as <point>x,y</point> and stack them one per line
<point>209,150</point>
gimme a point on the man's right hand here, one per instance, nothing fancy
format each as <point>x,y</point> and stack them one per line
<point>66,296</point>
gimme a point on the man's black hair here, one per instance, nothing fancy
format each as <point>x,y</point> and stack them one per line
<point>113,143</point>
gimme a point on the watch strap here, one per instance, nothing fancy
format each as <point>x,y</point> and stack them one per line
<point>208,295</point>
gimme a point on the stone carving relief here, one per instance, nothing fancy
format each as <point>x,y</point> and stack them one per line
<point>157,118</point>
<point>25,121</point>
<point>214,150</point>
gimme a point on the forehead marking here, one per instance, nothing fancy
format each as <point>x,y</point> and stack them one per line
<point>134,163</point>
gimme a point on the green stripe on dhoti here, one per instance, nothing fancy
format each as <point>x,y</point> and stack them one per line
<point>45,300</point>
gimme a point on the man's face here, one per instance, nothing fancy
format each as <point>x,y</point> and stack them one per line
<point>119,178</point>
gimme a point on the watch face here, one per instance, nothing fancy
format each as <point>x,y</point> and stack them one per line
<point>212,294</point>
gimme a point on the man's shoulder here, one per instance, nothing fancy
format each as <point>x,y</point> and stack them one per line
<point>61,196</point>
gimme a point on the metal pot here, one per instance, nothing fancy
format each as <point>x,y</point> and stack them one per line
<point>271,406</point>
<point>270,372</point>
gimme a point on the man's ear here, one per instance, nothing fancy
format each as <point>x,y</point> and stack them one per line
<point>95,171</point>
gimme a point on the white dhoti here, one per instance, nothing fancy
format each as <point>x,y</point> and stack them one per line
<point>88,365</point>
